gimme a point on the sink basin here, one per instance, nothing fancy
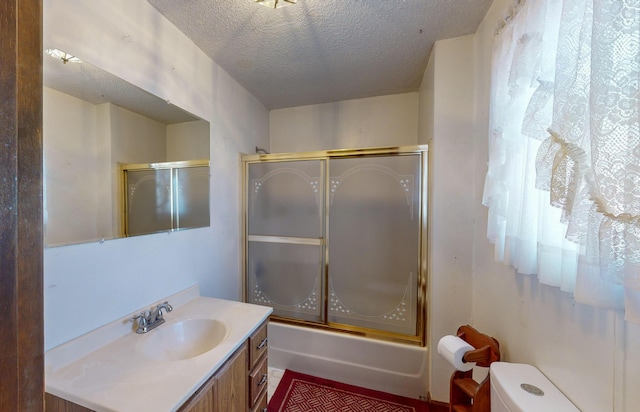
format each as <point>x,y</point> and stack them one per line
<point>183,340</point>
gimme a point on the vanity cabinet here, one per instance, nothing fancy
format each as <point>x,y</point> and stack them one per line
<point>240,384</point>
<point>258,373</point>
<point>224,391</point>
<point>53,403</point>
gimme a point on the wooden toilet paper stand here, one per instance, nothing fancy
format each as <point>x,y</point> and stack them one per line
<point>465,394</point>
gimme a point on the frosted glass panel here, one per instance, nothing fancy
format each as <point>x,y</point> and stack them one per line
<point>286,199</point>
<point>148,201</point>
<point>337,240</point>
<point>373,242</point>
<point>165,199</point>
<point>286,277</point>
<point>192,199</point>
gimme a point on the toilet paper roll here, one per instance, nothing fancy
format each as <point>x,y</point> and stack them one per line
<point>452,348</point>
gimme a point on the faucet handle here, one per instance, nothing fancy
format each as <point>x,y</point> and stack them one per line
<point>141,318</point>
<point>143,322</point>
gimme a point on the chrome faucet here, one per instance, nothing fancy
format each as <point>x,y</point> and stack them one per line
<point>151,319</point>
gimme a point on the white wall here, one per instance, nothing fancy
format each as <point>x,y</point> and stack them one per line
<point>71,149</point>
<point>446,123</point>
<point>370,122</point>
<point>188,141</point>
<point>136,138</point>
<point>86,286</point>
<point>108,213</point>
<point>426,96</point>
<point>591,354</point>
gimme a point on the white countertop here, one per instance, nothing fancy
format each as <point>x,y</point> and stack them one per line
<point>105,370</point>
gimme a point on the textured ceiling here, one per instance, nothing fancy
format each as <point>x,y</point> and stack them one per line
<point>320,51</point>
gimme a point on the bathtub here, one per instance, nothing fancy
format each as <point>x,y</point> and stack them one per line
<point>386,366</point>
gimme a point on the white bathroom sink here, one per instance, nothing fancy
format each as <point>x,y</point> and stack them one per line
<point>184,339</point>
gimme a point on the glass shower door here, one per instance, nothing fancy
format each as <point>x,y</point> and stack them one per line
<point>285,236</point>
<point>338,238</point>
<point>374,242</point>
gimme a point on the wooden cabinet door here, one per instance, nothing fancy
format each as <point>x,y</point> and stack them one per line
<point>226,391</point>
<point>203,400</point>
<point>231,389</point>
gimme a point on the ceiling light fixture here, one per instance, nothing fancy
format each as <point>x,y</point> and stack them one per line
<point>65,57</point>
<point>275,4</point>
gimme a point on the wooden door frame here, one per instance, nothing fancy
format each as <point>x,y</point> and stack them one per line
<point>21,228</point>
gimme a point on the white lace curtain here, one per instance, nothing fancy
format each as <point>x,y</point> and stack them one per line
<point>563,180</point>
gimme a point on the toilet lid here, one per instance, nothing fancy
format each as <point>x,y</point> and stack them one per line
<point>524,388</point>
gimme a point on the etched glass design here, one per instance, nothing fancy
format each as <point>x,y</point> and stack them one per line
<point>286,199</point>
<point>371,206</point>
<point>149,201</point>
<point>286,202</point>
<point>373,242</point>
<point>286,277</point>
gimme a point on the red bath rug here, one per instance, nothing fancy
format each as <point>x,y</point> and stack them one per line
<point>298,392</point>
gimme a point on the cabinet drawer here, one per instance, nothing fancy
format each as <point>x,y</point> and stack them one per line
<point>258,345</point>
<point>261,405</point>
<point>258,381</point>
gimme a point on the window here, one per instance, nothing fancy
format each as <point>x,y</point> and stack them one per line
<point>563,181</point>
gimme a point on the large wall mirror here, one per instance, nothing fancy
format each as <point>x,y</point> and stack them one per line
<point>94,124</point>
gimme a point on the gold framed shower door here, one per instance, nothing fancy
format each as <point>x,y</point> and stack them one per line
<point>321,309</point>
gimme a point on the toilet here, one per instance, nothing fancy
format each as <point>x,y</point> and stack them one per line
<point>518,387</point>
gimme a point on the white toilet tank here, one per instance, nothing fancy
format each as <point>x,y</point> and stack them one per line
<point>517,387</point>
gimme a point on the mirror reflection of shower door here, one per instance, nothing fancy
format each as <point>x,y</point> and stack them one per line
<point>374,242</point>
<point>285,234</point>
<point>192,197</point>
<point>165,196</point>
<point>149,204</point>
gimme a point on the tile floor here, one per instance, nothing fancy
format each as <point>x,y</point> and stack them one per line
<point>274,379</point>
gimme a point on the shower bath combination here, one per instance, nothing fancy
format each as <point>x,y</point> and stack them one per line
<point>337,239</point>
